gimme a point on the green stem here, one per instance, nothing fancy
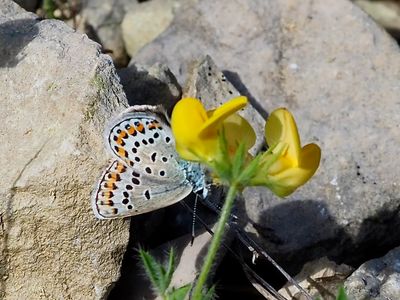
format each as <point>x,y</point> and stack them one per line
<point>216,242</point>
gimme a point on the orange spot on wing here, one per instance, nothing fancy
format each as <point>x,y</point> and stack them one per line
<point>121,168</point>
<point>115,177</point>
<point>131,130</point>
<point>108,195</point>
<point>121,136</point>
<point>140,127</point>
<point>154,124</point>
<point>108,203</point>
<point>111,183</point>
<point>122,152</point>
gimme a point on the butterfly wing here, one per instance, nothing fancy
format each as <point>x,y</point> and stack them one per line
<point>145,174</point>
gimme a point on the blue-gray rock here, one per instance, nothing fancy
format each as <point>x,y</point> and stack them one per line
<point>377,279</point>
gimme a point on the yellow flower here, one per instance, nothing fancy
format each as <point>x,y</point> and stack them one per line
<point>197,131</point>
<point>287,165</point>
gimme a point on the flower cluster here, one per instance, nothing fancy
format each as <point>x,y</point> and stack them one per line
<point>215,137</point>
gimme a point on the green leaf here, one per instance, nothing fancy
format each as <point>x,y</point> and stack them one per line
<point>49,7</point>
<point>238,161</point>
<point>223,143</point>
<point>170,267</point>
<point>250,170</point>
<point>342,294</point>
<point>210,295</point>
<point>151,266</point>
<point>180,293</point>
<point>222,165</point>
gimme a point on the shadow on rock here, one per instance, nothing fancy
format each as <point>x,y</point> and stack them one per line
<point>295,232</point>
<point>151,86</point>
<point>377,236</point>
<point>14,36</point>
<point>234,78</point>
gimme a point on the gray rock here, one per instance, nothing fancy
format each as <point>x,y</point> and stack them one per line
<point>336,70</point>
<point>101,20</point>
<point>57,92</point>
<point>376,279</point>
<point>29,5</point>
<point>144,21</point>
<point>154,85</point>
<point>207,83</point>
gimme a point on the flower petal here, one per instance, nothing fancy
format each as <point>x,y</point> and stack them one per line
<point>281,127</point>
<point>221,113</point>
<point>310,157</point>
<point>237,130</point>
<point>287,181</point>
<point>187,118</point>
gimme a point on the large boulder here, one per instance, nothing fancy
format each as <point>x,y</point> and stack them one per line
<point>57,91</point>
<point>337,71</point>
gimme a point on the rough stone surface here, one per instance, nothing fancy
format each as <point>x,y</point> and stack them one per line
<point>101,20</point>
<point>376,279</point>
<point>207,83</point>
<point>386,13</point>
<point>154,86</point>
<point>29,5</point>
<point>57,91</point>
<point>336,70</point>
<point>320,278</point>
<point>145,21</point>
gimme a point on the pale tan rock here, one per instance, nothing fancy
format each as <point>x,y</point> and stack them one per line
<point>386,13</point>
<point>57,91</point>
<point>146,20</point>
<point>320,278</point>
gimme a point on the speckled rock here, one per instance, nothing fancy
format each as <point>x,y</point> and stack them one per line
<point>336,70</point>
<point>209,84</point>
<point>57,91</point>
<point>377,279</point>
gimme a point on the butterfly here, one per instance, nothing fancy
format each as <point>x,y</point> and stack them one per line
<point>146,172</point>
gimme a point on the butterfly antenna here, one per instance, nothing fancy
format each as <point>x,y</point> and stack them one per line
<point>194,219</point>
<point>248,270</point>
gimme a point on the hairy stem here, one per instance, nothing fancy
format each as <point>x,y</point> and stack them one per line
<point>216,242</point>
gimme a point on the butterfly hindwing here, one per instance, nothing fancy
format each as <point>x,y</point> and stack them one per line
<point>145,174</point>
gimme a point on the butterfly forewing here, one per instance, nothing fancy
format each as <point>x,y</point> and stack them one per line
<point>145,174</point>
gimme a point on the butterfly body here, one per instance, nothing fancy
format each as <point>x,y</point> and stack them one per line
<point>145,173</point>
